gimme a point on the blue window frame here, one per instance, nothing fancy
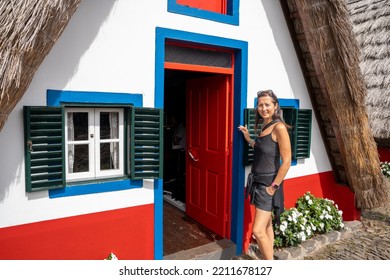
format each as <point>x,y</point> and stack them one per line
<point>46,147</point>
<point>64,97</point>
<point>231,17</point>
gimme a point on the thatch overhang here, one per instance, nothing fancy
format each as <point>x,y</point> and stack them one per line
<point>371,26</point>
<point>28,30</point>
<point>329,57</point>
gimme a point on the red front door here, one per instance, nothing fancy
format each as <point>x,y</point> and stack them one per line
<point>207,159</point>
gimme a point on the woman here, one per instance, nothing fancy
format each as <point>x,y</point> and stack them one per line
<point>272,159</point>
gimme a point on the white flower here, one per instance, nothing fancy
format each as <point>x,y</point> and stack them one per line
<point>310,202</point>
<point>302,236</point>
<point>283,226</point>
<point>307,197</point>
<point>322,225</point>
<point>328,217</point>
<point>112,257</point>
<point>340,212</point>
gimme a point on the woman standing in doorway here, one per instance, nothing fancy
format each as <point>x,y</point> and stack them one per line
<point>272,160</point>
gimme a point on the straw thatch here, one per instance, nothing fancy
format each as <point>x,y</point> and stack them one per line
<point>371,26</point>
<point>336,55</point>
<point>28,30</point>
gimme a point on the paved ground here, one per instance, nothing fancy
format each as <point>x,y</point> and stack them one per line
<point>368,239</point>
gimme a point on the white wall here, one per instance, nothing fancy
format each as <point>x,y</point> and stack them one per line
<point>108,45</point>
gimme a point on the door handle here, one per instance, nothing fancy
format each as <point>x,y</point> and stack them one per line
<point>192,156</point>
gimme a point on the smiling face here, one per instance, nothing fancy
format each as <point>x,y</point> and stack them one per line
<point>266,107</point>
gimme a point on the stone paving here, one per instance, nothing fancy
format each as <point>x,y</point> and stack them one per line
<point>368,239</point>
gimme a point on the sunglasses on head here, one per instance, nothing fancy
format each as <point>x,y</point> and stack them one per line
<point>262,92</point>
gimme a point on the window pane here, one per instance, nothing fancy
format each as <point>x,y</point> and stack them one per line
<point>77,126</point>
<point>109,156</point>
<point>78,158</point>
<point>109,125</point>
<point>196,56</point>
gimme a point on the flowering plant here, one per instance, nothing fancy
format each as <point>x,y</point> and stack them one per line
<point>311,216</point>
<point>385,168</point>
<point>111,257</point>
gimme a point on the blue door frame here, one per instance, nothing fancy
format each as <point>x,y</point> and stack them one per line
<point>240,49</point>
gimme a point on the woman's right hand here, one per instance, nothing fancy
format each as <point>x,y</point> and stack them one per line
<point>245,132</point>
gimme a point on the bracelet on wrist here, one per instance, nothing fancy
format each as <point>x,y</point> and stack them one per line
<point>251,142</point>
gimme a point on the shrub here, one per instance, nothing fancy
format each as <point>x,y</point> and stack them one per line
<point>385,168</point>
<point>111,257</point>
<point>311,216</point>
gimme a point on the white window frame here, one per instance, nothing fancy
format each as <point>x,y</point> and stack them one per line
<point>94,142</point>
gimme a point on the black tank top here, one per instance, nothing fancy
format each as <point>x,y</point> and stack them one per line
<point>266,158</point>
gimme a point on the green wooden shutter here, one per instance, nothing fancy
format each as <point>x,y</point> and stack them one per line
<point>44,148</point>
<point>249,118</point>
<point>146,143</point>
<point>300,134</point>
<point>289,116</point>
<point>303,134</point>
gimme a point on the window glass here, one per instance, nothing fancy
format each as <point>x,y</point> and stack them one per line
<point>197,56</point>
<point>109,125</point>
<point>78,126</point>
<point>78,158</point>
<point>94,146</point>
<point>109,156</point>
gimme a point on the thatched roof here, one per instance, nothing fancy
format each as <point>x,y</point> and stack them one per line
<point>28,30</point>
<point>371,25</point>
<point>329,54</point>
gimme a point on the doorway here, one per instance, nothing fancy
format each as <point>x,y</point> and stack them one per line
<point>239,75</point>
<point>185,224</point>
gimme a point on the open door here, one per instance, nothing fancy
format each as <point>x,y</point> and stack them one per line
<point>207,154</point>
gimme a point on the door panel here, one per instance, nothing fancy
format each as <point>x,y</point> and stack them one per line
<point>207,151</point>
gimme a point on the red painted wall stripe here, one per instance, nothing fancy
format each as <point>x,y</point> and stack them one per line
<point>128,233</point>
<point>320,185</point>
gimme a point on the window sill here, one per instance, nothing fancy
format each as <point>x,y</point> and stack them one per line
<point>96,186</point>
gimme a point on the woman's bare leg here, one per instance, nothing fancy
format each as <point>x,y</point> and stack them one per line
<point>262,228</point>
<point>270,231</point>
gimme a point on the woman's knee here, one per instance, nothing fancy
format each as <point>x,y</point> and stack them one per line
<point>259,233</point>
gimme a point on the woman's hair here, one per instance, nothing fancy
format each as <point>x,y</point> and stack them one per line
<point>278,112</point>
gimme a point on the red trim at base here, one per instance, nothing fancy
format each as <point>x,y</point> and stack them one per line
<point>320,185</point>
<point>128,233</point>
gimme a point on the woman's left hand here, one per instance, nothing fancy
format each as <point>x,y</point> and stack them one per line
<point>270,190</point>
